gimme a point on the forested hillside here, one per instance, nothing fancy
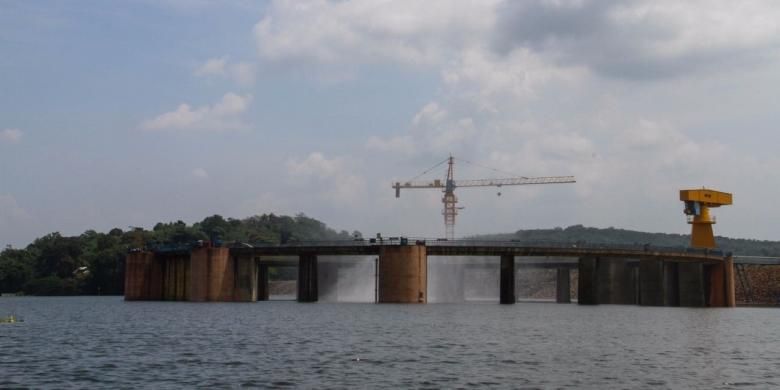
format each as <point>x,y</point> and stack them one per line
<point>94,263</point>
<point>579,233</point>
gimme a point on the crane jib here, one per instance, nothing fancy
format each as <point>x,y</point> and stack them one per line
<point>450,184</point>
<point>484,182</point>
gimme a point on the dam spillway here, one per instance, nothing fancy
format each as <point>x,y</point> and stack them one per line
<point>641,275</point>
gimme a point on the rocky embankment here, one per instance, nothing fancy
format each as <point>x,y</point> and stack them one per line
<point>283,287</point>
<point>759,285</point>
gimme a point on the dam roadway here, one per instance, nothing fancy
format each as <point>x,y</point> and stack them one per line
<point>485,248</point>
<point>626,274</point>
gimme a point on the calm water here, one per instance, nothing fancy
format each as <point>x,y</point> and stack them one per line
<point>105,342</point>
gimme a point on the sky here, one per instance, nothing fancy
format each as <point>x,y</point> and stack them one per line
<point>124,114</point>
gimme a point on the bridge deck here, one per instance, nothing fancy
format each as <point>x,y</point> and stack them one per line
<point>488,248</point>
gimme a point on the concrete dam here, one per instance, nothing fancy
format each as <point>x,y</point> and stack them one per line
<point>643,275</point>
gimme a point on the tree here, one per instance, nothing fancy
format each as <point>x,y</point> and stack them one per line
<point>215,227</point>
<point>56,255</point>
<point>15,270</point>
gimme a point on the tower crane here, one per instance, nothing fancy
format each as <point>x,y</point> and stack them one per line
<point>450,184</point>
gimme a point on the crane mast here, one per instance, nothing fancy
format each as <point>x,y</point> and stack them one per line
<point>449,200</point>
<point>448,188</point>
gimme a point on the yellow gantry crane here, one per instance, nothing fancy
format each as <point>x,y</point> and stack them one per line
<point>449,185</point>
<point>697,207</point>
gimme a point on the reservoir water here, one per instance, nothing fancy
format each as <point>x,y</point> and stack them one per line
<point>104,342</point>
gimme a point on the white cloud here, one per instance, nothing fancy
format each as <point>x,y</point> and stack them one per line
<point>212,66</point>
<point>200,173</point>
<point>315,165</point>
<point>231,104</point>
<point>499,83</point>
<point>432,132</point>
<point>636,99</point>
<point>242,73</point>
<point>372,31</point>
<point>11,135</point>
<point>431,113</point>
<point>550,88</point>
<point>332,178</point>
<point>223,115</point>
<point>643,39</point>
<point>403,145</point>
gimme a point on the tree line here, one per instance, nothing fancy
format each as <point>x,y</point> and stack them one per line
<point>613,236</point>
<point>94,263</point>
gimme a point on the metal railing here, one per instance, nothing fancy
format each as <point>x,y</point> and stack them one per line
<point>489,243</point>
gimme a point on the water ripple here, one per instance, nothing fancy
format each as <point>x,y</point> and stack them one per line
<point>89,342</point>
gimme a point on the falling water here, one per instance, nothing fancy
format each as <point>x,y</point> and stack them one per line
<point>454,279</point>
<point>457,279</point>
<point>451,279</point>
<point>346,278</point>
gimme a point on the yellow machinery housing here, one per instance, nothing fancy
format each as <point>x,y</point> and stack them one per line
<point>697,207</point>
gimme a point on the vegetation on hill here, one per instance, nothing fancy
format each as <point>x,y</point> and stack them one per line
<point>579,233</point>
<point>94,263</point>
<point>758,284</point>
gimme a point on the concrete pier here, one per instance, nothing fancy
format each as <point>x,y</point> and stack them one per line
<point>716,283</point>
<point>221,274</point>
<point>671,284</point>
<point>602,281</point>
<point>245,289</point>
<point>588,281</point>
<point>169,277</point>
<point>138,268</point>
<point>307,278</point>
<point>175,276</point>
<point>507,280</point>
<point>199,276</point>
<point>721,284</point>
<point>182,265</point>
<point>403,274</point>
<point>155,279</point>
<point>651,282</point>
<point>691,284</point>
<point>605,287</point>
<point>614,282</point>
<point>730,283</point>
<point>206,274</point>
<point>263,290</point>
<point>562,286</point>
<point>678,284</point>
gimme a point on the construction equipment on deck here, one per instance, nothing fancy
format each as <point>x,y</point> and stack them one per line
<point>697,207</point>
<point>450,184</point>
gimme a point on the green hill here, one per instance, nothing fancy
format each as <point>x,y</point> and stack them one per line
<point>579,233</point>
<point>94,263</point>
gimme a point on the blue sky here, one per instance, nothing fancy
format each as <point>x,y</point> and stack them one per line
<point>117,114</point>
